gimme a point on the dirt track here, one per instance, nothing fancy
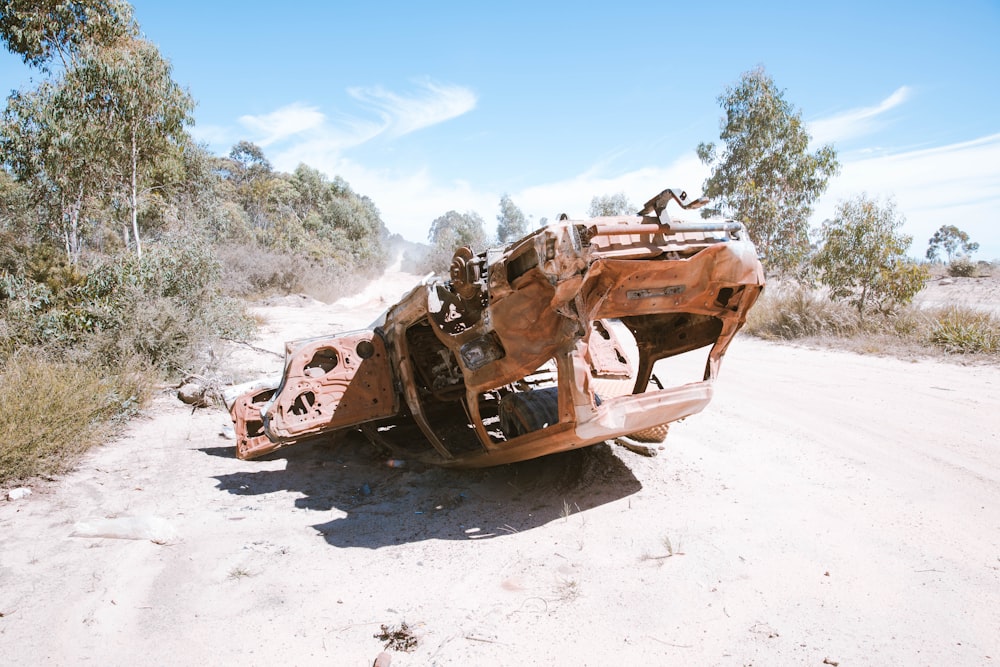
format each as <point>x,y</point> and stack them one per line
<point>825,506</point>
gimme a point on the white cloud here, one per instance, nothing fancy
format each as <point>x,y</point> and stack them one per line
<point>957,184</point>
<point>288,121</point>
<point>855,122</point>
<point>409,201</point>
<point>433,104</point>
<point>211,134</point>
<point>572,196</point>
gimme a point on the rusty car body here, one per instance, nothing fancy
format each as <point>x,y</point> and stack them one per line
<point>546,344</point>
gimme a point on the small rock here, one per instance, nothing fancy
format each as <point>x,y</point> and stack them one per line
<point>18,493</point>
<point>946,281</point>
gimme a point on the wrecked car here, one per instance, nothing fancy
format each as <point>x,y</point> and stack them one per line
<point>547,344</point>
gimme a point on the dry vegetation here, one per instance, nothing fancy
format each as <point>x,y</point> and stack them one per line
<point>54,411</point>
<point>801,313</point>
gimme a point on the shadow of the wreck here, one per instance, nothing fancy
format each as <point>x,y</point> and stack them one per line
<point>386,505</point>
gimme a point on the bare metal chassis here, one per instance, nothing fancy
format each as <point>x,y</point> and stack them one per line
<point>499,362</point>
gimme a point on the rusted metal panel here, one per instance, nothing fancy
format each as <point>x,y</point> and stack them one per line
<point>504,359</point>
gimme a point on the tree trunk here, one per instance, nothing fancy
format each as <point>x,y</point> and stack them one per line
<point>135,195</point>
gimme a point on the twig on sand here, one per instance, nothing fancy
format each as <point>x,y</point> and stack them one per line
<point>254,347</point>
<point>670,643</point>
<point>482,639</point>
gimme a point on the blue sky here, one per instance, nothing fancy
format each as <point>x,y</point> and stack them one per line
<point>427,107</point>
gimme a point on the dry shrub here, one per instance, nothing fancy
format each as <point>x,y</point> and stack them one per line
<point>962,267</point>
<point>54,411</point>
<point>252,272</point>
<point>796,311</point>
<point>964,330</point>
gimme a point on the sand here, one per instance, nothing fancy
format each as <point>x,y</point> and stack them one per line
<point>826,508</point>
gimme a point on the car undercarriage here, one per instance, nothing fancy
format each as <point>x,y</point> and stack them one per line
<point>546,344</point>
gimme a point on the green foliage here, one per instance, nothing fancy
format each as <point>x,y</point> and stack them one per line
<point>250,163</point>
<point>863,257</point>
<point>453,230</point>
<point>953,241</point>
<point>164,308</point>
<point>963,330</point>
<point>46,140</point>
<point>511,223</point>
<point>90,141</point>
<point>450,232</point>
<point>41,30</point>
<point>137,114</point>
<point>616,204</point>
<point>764,173</point>
<point>962,267</point>
<point>54,411</point>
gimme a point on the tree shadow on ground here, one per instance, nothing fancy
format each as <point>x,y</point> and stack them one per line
<point>387,505</point>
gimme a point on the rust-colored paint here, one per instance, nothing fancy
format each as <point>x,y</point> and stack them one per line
<point>564,311</point>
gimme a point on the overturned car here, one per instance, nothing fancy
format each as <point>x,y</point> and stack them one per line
<point>544,345</point>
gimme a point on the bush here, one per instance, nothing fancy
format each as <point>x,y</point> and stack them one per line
<point>796,311</point>
<point>54,411</point>
<point>964,330</point>
<point>862,257</point>
<point>252,272</point>
<point>962,267</point>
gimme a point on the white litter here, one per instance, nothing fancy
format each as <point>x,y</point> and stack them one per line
<point>153,528</point>
<point>18,493</point>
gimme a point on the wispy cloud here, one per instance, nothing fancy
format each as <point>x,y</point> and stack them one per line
<point>572,196</point>
<point>288,121</point>
<point>300,133</point>
<point>212,134</point>
<point>431,104</point>
<point>956,184</point>
<point>856,122</point>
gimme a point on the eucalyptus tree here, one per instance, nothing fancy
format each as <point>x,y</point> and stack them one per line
<point>862,256</point>
<point>616,204</point>
<point>454,229</point>
<point>46,140</point>
<point>451,231</point>
<point>953,241</point>
<point>763,173</point>
<point>511,223</point>
<point>42,31</point>
<point>140,111</point>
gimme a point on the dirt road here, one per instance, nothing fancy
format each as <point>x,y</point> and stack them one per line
<point>826,507</point>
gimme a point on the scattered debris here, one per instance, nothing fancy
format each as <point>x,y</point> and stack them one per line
<point>827,661</point>
<point>398,639</point>
<point>193,393</point>
<point>636,447</point>
<point>153,528</point>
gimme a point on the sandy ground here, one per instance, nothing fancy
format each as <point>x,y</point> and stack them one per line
<point>826,508</point>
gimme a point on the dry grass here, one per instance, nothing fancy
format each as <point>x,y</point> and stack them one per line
<point>54,411</point>
<point>789,312</point>
<point>799,313</point>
